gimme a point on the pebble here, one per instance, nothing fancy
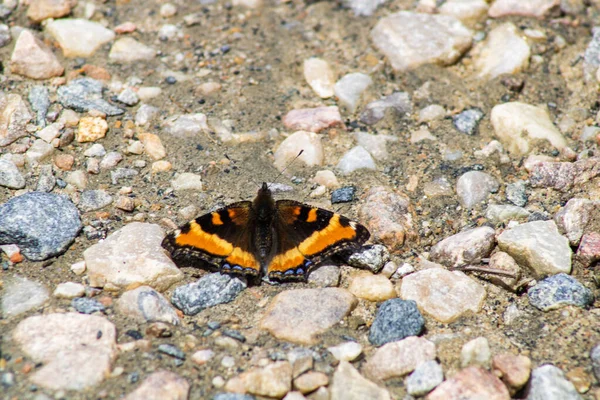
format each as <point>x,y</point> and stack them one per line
<point>146,93</point>
<point>274,380</point>
<point>588,252</point>
<point>468,121</point>
<point>564,175</point>
<point>127,50</point>
<point>145,304</point>
<point>43,9</point>
<point>371,257</point>
<point>43,225</point>
<point>153,145</point>
<point>201,357</point>
<point>208,88</point>
<point>125,203</point>
<point>424,378</point>
<point>123,173</point>
<point>164,385</point>
<point>69,290</point>
<point>376,110</point>
<point>474,187</point>
<point>135,147</point>
<point>86,305</point>
<point>78,179</point>
<point>348,384</point>
<point>471,383</point>
<point>396,319</point>
<point>310,381</point>
<point>91,129</point>
<point>403,270</point>
<point>286,321</point>
<point>538,246</point>
<point>513,370</point>
<point>346,351</point>
<point>5,36</point>
<point>350,88</point>
<point>558,291</point>
<point>592,51</point>
<point>516,193</point>
<point>10,177</point>
<point>85,94</point>
<point>476,352</point>
<point>289,149</point>
<point>325,276</point>
<point>386,213</point>
<point>301,359</point>
<point>39,98</point>
<point>128,97</point>
<point>371,287</point>
<point>232,396</point>
<point>208,291</point>
<point>187,181</point>
<point>501,261</point>
<point>364,8</point>
<point>91,200</point>
<point>168,10</point>
<point>595,357</point>
<point>549,382</point>
<point>38,151</point>
<point>469,12</point>
<point>171,350</point>
<point>518,124</point>
<point>76,349</point>
<point>51,132</point>
<point>187,125</point>
<point>503,213</point>
<point>354,159</point>
<point>464,248</point>
<point>410,39</point>
<point>165,33</point>
<point>490,58</point>
<point>78,37</point>
<point>572,219</point>
<point>21,295</point>
<point>33,59</point>
<point>431,113</point>
<point>110,160</point>
<point>313,119</point>
<point>319,76</point>
<point>442,294</point>
<point>145,113</point>
<point>532,8</point>
<point>343,195</point>
<point>16,117</point>
<point>375,144</point>
<point>131,255</point>
<point>399,358</point>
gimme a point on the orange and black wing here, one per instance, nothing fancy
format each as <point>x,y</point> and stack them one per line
<point>306,235</point>
<point>221,238</point>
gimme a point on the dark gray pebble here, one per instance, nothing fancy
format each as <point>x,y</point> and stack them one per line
<point>234,334</point>
<point>85,305</point>
<point>558,291</point>
<point>171,350</point>
<point>43,225</point>
<point>39,99</point>
<point>396,319</point>
<point>208,291</point>
<point>343,195</point>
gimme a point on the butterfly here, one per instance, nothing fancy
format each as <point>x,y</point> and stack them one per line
<point>281,240</point>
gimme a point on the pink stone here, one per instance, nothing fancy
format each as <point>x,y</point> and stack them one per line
<point>589,249</point>
<point>529,8</point>
<point>126,27</point>
<point>313,119</point>
<point>471,383</point>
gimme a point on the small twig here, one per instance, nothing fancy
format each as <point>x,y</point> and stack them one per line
<point>485,270</point>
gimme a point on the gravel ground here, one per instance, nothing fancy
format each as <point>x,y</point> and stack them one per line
<point>463,134</point>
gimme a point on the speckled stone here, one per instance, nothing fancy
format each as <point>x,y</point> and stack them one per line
<point>208,291</point>
<point>558,291</point>
<point>396,319</point>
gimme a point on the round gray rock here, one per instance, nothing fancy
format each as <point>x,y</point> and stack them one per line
<point>395,320</point>
<point>558,291</point>
<point>43,225</point>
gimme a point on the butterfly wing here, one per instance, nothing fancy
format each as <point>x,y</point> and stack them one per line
<point>221,238</point>
<point>306,235</point>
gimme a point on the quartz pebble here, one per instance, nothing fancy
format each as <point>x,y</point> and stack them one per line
<point>38,152</point>
<point>69,290</point>
<point>350,88</point>
<point>319,76</point>
<point>145,304</point>
<point>208,291</point>
<point>371,287</point>
<point>469,12</point>
<point>313,119</point>
<point>549,382</point>
<point>471,383</point>
<point>532,8</point>
<point>347,351</point>
<point>558,291</point>
<point>201,357</point>
<point>309,142</point>
<point>464,248</point>
<point>131,255</point>
<point>356,158</point>
<point>161,385</point>
<point>187,181</point>
<point>424,378</point>
<point>538,246</point>
<point>187,125</point>
<point>310,381</point>
<point>410,39</point>
<point>91,200</point>
<point>444,295</point>
<point>127,50</point>
<point>518,124</point>
<point>79,37</point>
<point>284,320</point>
<point>476,353</point>
<point>474,187</point>
<point>396,319</point>
<point>110,160</point>
<point>274,380</point>
<point>21,295</point>
<point>349,384</point>
<point>492,58</point>
<point>33,59</point>
<point>375,144</point>
<point>399,358</point>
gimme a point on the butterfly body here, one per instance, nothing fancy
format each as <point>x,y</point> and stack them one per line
<point>280,239</point>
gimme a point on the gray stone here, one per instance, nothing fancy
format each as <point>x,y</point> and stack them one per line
<point>516,193</point>
<point>325,276</point>
<point>85,94</point>
<point>595,357</point>
<point>538,246</point>
<point>376,110</point>
<point>208,291</point>
<point>86,305</point>
<point>43,225</point>
<point>145,114</point>
<point>424,378</point>
<point>356,158</point>
<point>468,121</point>
<point>549,382</point>
<point>145,304</point>
<point>464,248</point>
<point>371,257</point>
<point>350,88</point>
<point>232,396</point>
<point>5,37</point>
<point>128,97</point>
<point>473,187</point>
<point>343,195</point>
<point>46,180</point>
<point>122,173</point>
<point>10,176</point>
<point>171,350</point>
<point>91,200</point>
<point>40,102</point>
<point>592,53</point>
<point>21,295</point>
<point>395,320</point>
<point>502,213</point>
<point>558,291</point>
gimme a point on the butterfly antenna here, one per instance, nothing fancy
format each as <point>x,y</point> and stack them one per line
<point>286,167</point>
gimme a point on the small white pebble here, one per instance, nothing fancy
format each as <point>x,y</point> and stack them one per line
<point>78,268</point>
